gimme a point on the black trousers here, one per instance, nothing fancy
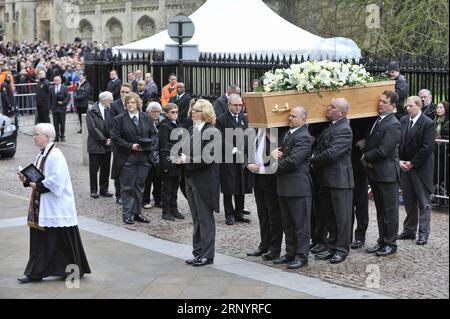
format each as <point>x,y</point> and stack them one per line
<point>204,234</point>
<point>385,196</point>
<point>238,205</point>
<point>336,205</point>
<point>295,218</point>
<point>132,180</point>
<point>117,187</point>
<point>360,205</point>
<point>417,204</point>
<point>42,115</point>
<point>59,122</point>
<point>100,162</point>
<point>169,193</point>
<point>269,217</point>
<point>152,178</point>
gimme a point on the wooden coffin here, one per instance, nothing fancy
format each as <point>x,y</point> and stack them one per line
<point>266,110</point>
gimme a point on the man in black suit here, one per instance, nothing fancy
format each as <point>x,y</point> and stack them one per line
<point>114,84</point>
<point>294,189</point>
<point>234,177</point>
<point>332,165</point>
<point>59,98</point>
<point>221,103</point>
<point>98,121</point>
<point>118,107</point>
<point>136,140</point>
<point>380,159</point>
<point>427,106</point>
<point>183,101</point>
<point>417,164</point>
<point>265,190</point>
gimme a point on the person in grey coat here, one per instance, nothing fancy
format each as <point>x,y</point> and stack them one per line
<point>98,121</point>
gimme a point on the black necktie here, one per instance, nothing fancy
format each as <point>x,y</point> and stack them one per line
<point>136,121</point>
<point>411,123</point>
<point>287,136</point>
<point>236,118</point>
<point>375,125</point>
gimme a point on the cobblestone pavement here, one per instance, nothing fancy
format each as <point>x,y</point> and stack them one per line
<point>414,272</point>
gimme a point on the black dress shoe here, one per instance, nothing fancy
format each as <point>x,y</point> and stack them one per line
<point>386,251</point>
<point>374,249</point>
<point>404,235</point>
<point>79,132</point>
<point>128,221</point>
<point>202,262</point>
<point>168,216</point>
<point>297,263</point>
<point>229,220</point>
<point>56,140</point>
<point>269,256</point>
<point>94,195</point>
<point>357,244</point>
<point>119,201</point>
<point>63,139</point>
<point>246,212</point>
<point>177,215</point>
<point>241,219</point>
<point>337,258</point>
<point>324,255</point>
<point>141,219</point>
<point>258,252</point>
<point>319,248</point>
<point>107,194</point>
<point>421,241</point>
<point>191,260</point>
<point>282,260</point>
<point>26,279</point>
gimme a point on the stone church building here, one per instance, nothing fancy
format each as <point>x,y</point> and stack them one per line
<point>114,21</point>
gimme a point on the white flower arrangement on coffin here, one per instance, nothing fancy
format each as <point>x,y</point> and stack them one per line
<point>316,75</point>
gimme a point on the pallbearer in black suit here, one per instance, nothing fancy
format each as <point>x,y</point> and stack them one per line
<point>118,107</point>
<point>99,144</point>
<point>417,164</point>
<point>202,183</point>
<point>169,170</point>
<point>380,159</point>
<point>234,177</point>
<point>331,161</point>
<point>271,230</point>
<point>294,189</point>
<point>136,140</point>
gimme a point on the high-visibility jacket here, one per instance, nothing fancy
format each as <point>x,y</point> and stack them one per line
<point>166,94</point>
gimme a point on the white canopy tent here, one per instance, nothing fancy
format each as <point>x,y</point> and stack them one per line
<point>248,27</point>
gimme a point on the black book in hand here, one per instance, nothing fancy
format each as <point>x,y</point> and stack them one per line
<point>32,174</point>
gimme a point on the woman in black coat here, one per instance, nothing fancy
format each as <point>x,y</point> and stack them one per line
<point>202,182</point>
<point>81,97</point>
<point>440,151</point>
